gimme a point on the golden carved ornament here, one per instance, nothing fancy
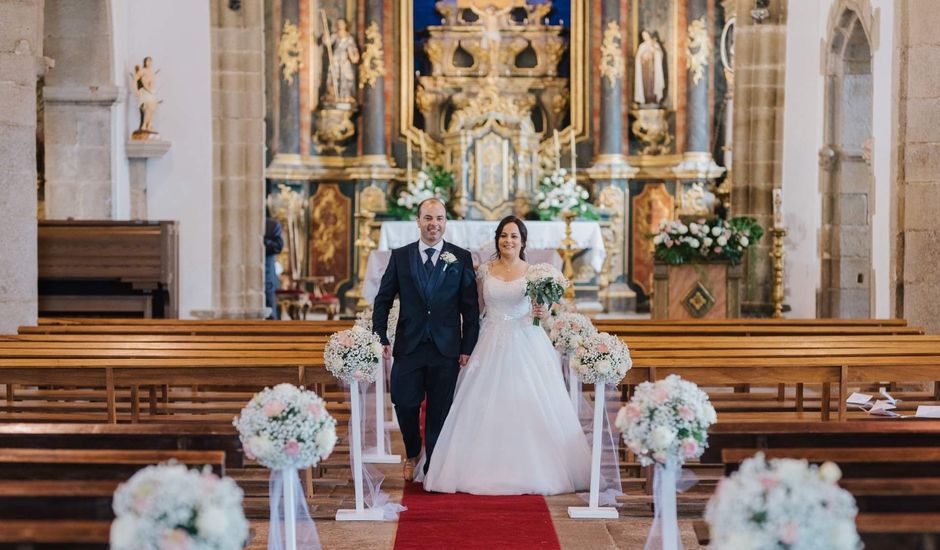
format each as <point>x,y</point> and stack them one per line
<point>288,51</point>
<point>372,199</point>
<point>373,57</point>
<point>612,64</point>
<point>491,99</point>
<point>698,49</point>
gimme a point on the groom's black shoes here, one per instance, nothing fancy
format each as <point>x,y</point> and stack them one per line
<point>408,469</point>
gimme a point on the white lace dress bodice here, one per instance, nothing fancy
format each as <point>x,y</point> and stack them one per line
<point>511,429</point>
<point>503,300</point>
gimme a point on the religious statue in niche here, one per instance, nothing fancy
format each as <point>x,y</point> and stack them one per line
<point>147,101</point>
<point>649,75</point>
<point>333,119</point>
<point>341,74</point>
<point>650,125</point>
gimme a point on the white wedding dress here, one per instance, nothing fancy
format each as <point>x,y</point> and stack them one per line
<point>512,428</point>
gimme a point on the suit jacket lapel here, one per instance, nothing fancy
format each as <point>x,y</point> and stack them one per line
<point>437,274</point>
<point>418,274</point>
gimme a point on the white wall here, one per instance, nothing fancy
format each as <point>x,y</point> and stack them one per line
<point>179,185</point>
<point>804,111</point>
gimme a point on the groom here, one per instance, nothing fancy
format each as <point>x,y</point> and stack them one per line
<point>436,286</point>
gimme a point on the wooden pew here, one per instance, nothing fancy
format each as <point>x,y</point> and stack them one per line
<point>63,496</point>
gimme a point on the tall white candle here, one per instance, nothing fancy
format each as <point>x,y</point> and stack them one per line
<point>422,151</point>
<point>557,150</point>
<point>778,208</point>
<point>574,157</point>
<point>408,155</point>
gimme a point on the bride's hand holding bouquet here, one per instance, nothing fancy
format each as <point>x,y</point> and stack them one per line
<point>545,286</point>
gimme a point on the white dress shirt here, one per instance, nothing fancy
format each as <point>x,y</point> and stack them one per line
<point>424,255</point>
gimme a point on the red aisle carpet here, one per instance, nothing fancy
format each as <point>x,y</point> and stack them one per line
<point>443,521</point>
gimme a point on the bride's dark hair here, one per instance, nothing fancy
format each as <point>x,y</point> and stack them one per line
<point>523,234</point>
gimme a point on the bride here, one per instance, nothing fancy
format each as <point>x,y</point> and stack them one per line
<point>511,429</point>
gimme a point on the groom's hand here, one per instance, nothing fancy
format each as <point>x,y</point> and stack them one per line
<point>463,360</point>
<point>387,352</point>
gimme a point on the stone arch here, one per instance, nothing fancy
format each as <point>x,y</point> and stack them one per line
<point>846,178</point>
<point>78,94</point>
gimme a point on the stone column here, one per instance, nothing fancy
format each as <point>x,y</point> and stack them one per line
<point>610,169</point>
<point>78,96</point>
<point>238,160</point>
<point>760,62</point>
<point>916,252</point>
<point>21,63</point>
<point>697,162</point>
<point>372,83</point>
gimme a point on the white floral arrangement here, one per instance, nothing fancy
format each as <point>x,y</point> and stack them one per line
<point>286,428</point>
<point>602,358</point>
<point>568,330</point>
<point>559,193</point>
<point>418,190</point>
<point>354,355</point>
<point>364,320</point>
<point>171,506</point>
<point>678,243</point>
<point>545,285</point>
<point>433,181</point>
<point>783,503</point>
<point>666,422</point>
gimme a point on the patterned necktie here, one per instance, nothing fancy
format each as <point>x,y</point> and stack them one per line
<point>428,264</point>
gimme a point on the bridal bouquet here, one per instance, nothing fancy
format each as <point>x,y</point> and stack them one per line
<point>286,428</point>
<point>568,330</point>
<point>364,320</point>
<point>354,355</point>
<point>601,358</point>
<point>544,285</point>
<point>666,422</point>
<point>171,506</point>
<point>783,503</point>
<point>559,193</point>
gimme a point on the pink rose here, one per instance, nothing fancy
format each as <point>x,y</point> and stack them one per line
<point>685,413</point>
<point>789,533</point>
<point>292,448</point>
<point>633,412</point>
<point>602,348</point>
<point>689,447</point>
<point>248,454</point>
<point>177,539</point>
<point>668,243</point>
<point>315,410</point>
<point>575,326</point>
<point>345,339</point>
<point>660,395</point>
<point>273,408</point>
<point>717,249</point>
<point>768,482</point>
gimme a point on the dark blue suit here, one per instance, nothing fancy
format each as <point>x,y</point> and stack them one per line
<point>429,336</point>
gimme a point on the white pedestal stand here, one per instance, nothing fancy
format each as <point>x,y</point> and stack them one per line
<point>392,422</point>
<point>361,513</point>
<point>290,510</point>
<point>381,455</point>
<point>593,510</point>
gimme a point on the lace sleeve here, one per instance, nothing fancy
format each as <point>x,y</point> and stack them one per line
<point>482,272</point>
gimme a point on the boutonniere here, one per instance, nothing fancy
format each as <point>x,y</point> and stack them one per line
<point>449,259</point>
